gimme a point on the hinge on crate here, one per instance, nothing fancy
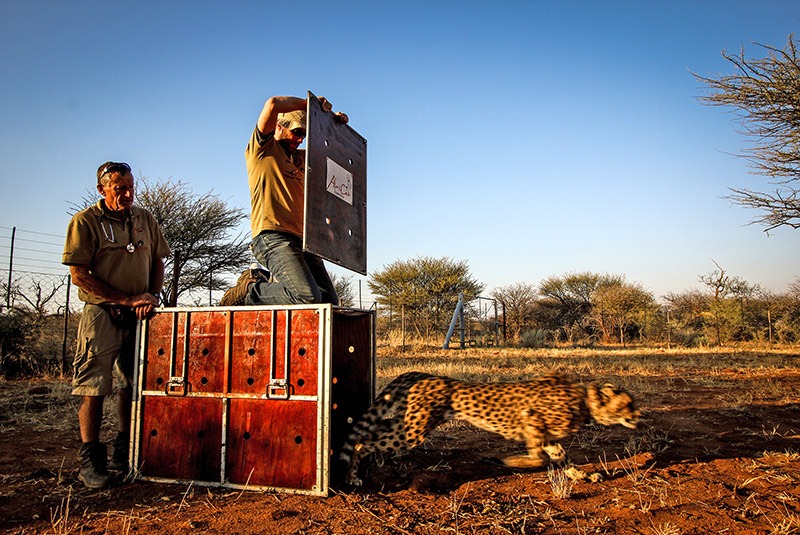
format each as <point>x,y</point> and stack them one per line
<point>177,386</point>
<point>278,384</point>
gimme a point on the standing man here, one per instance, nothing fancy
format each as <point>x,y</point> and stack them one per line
<point>115,253</point>
<point>276,174</point>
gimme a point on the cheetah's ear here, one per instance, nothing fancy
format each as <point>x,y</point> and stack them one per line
<point>599,396</point>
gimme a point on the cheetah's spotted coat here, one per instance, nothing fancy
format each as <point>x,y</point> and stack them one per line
<point>540,412</point>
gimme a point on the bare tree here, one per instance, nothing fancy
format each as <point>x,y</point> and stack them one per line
<point>519,303</point>
<point>198,228</point>
<point>766,94</point>
<point>344,289</point>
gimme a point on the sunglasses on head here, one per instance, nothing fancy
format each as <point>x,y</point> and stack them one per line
<point>114,167</point>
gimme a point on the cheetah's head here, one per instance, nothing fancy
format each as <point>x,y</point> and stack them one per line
<point>610,405</point>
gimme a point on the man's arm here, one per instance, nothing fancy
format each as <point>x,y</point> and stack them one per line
<point>82,278</point>
<point>156,276</point>
<point>274,106</point>
<point>144,311</point>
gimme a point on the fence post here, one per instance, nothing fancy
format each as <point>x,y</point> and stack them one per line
<point>10,267</point>
<point>176,271</point>
<point>66,329</point>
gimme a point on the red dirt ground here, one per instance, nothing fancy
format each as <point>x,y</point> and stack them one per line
<point>718,456</point>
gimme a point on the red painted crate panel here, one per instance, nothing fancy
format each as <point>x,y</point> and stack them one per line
<point>166,351</point>
<point>259,350</point>
<point>181,438</point>
<point>272,443</point>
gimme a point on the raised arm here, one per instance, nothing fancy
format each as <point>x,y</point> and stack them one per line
<point>277,105</point>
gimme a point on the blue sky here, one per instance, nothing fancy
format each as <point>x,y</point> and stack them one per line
<point>530,139</point>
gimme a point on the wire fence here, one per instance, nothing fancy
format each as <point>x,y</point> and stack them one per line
<point>32,274</point>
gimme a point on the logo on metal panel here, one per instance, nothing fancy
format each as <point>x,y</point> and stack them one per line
<point>339,182</point>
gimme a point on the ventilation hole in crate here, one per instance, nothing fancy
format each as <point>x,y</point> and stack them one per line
<point>205,351</point>
<point>159,380</point>
<point>153,433</point>
<point>301,351</point>
<point>298,439</point>
<point>251,381</point>
<point>204,380</point>
<point>246,435</point>
<point>251,351</point>
<point>160,351</point>
<point>301,382</point>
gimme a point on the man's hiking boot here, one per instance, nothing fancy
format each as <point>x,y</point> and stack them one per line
<point>119,457</point>
<point>236,296</point>
<point>93,458</point>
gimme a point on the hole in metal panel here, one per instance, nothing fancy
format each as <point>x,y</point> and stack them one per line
<point>159,380</point>
<point>160,351</point>
<point>246,435</point>
<point>301,382</point>
<point>298,439</point>
<point>301,351</point>
<point>251,351</point>
<point>153,433</point>
<point>205,352</point>
<point>251,381</point>
<point>204,380</point>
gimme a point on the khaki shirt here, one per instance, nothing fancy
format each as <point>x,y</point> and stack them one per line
<point>277,186</point>
<point>89,243</point>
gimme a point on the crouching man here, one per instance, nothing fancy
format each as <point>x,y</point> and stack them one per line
<point>115,253</point>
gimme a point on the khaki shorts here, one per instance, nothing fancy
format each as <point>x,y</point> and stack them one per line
<point>104,350</point>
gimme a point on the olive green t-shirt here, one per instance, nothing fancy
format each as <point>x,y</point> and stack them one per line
<point>277,183</point>
<point>98,239</point>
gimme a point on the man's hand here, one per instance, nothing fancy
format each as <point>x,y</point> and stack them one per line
<point>144,312</point>
<point>144,305</point>
<point>325,103</point>
<point>327,106</point>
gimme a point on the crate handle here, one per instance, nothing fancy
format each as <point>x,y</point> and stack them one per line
<point>278,384</point>
<point>176,383</point>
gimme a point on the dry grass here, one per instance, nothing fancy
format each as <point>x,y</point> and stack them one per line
<point>735,381</point>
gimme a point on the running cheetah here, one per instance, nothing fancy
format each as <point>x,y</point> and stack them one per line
<point>540,412</point>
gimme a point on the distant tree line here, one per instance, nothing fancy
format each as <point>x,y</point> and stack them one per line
<point>419,296</point>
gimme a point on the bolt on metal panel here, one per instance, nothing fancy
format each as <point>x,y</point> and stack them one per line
<point>336,190</point>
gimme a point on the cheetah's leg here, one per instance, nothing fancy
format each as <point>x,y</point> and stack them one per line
<point>534,442</point>
<point>558,456</point>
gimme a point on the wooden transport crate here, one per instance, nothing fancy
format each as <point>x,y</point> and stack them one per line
<point>251,397</point>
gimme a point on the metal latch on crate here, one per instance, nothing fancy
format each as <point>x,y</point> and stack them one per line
<point>274,386</point>
<point>178,385</point>
<point>277,384</point>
